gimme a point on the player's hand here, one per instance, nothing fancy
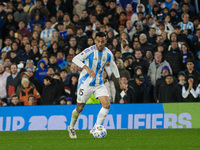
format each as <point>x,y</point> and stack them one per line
<point>157,101</point>
<point>91,73</point>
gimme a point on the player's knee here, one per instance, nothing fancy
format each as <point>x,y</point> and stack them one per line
<point>107,106</point>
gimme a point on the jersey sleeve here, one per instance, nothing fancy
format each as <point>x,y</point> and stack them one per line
<point>113,66</point>
<point>78,59</point>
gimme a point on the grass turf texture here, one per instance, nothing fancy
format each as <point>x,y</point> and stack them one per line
<point>159,139</point>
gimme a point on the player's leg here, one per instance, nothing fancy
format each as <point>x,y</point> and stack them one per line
<point>82,97</point>
<point>103,96</point>
<point>104,110</point>
<point>75,114</point>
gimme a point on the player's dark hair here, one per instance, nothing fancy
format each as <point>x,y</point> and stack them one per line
<point>101,34</point>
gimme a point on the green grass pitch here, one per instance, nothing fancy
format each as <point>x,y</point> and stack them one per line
<point>157,139</point>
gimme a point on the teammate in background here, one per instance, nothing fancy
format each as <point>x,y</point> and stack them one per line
<point>91,81</point>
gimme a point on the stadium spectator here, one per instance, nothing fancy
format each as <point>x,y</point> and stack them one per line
<point>140,62</point>
<point>155,68</point>
<point>24,74</point>
<point>130,29</point>
<point>186,24</point>
<point>7,62</point>
<point>122,71</point>
<point>13,57</point>
<point>41,71</point>
<point>137,91</point>
<point>62,31</point>
<point>121,96</point>
<point>56,38</point>
<point>84,18</point>
<point>63,75</point>
<point>181,79</point>
<point>71,88</point>
<point>138,71</point>
<point>40,9</point>
<point>29,5</point>
<point>7,42</point>
<point>47,33</point>
<point>31,100</point>
<point>13,80</point>
<point>60,60</point>
<point>36,54</point>
<point>51,92</point>
<point>129,11</point>
<point>58,6</point>
<point>8,24</point>
<point>3,56</point>
<point>190,91</point>
<point>81,37</point>
<point>169,91</point>
<point>197,63</point>
<point>36,20</point>
<point>38,85</point>
<point>2,12</point>
<point>53,63</point>
<point>109,84</point>
<point>20,14</point>
<point>173,57</point>
<point>27,91</point>
<point>159,81</point>
<point>2,103</point>
<point>28,53</point>
<point>3,78</point>
<point>186,54</point>
<point>50,71</point>
<point>63,100</point>
<point>15,101</point>
<point>191,70</point>
<point>73,70</point>
<point>68,24</point>
<point>22,30</point>
<point>185,9</point>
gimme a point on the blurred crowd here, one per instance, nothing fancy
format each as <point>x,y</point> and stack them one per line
<point>156,45</point>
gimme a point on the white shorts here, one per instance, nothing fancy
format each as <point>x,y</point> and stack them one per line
<point>85,91</point>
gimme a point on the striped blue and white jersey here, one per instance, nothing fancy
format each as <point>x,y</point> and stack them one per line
<point>47,35</point>
<point>188,25</point>
<point>96,61</point>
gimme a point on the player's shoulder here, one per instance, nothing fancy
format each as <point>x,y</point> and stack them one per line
<point>108,51</point>
<point>88,50</point>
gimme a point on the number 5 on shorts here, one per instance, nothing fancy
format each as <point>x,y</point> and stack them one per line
<point>81,92</point>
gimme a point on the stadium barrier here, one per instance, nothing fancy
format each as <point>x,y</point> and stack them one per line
<point>121,116</point>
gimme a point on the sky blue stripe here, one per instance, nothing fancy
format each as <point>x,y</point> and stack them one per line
<point>90,57</point>
<point>83,78</point>
<point>92,83</point>
<point>101,79</point>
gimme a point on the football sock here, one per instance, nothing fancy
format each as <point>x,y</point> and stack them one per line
<point>102,115</point>
<point>74,118</point>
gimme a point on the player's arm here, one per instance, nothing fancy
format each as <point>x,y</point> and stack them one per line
<point>78,60</point>
<point>116,74</point>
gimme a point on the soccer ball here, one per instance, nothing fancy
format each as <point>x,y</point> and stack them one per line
<point>100,132</point>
